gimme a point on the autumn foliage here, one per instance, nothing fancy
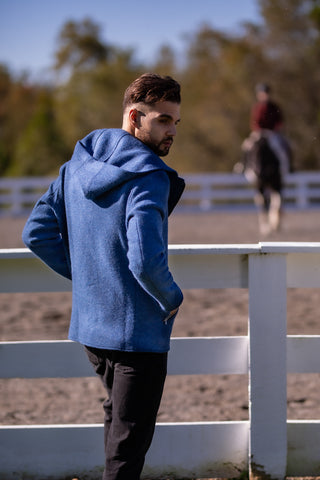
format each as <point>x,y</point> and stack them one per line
<point>41,121</point>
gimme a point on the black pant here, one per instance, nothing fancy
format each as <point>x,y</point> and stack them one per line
<point>134,382</point>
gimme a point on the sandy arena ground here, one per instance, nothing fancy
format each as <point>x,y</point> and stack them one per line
<point>204,313</point>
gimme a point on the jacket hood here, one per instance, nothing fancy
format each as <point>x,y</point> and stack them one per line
<point>107,158</point>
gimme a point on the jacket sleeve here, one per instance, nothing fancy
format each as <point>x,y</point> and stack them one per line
<point>147,225</point>
<point>45,232</point>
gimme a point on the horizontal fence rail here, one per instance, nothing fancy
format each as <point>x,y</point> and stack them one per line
<point>267,445</point>
<point>211,192</point>
<point>204,192</point>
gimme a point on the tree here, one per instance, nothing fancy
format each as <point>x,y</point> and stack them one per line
<point>217,83</point>
<point>165,63</point>
<point>17,100</point>
<point>291,42</point>
<point>40,149</point>
<point>92,99</point>
<point>218,73</point>
<point>90,95</point>
<point>80,46</point>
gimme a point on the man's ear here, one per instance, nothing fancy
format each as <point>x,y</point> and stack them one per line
<point>134,117</point>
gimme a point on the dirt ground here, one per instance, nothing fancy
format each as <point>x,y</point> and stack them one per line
<point>203,313</point>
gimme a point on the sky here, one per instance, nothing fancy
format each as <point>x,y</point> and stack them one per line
<point>29,28</point>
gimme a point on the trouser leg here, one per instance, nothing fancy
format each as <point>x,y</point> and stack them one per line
<point>134,382</point>
<point>281,153</point>
<point>103,365</point>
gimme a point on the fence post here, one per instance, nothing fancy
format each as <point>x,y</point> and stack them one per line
<point>267,357</point>
<point>302,199</point>
<point>16,204</point>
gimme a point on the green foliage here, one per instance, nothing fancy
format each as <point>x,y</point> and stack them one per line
<point>315,13</point>
<point>218,72</point>
<point>40,146</point>
<point>92,99</point>
<point>17,100</point>
<point>80,46</point>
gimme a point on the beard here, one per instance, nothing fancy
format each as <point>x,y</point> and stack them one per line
<point>162,148</point>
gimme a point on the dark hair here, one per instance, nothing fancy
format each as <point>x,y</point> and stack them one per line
<point>151,88</point>
<point>263,87</point>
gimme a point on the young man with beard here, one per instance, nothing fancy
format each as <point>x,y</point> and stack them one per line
<point>103,223</point>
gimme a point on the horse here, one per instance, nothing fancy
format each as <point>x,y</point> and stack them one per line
<point>262,167</point>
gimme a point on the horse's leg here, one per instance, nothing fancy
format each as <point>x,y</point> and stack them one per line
<point>261,202</point>
<point>275,210</point>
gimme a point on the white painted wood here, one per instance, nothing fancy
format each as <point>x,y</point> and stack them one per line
<point>188,356</point>
<point>267,390</point>
<point>21,271</point>
<point>204,192</point>
<point>289,248</point>
<point>194,266</point>
<point>303,270</point>
<point>303,448</point>
<point>201,267</point>
<point>74,449</point>
<point>303,262</point>
<point>216,249</point>
<point>56,451</point>
<point>77,450</point>
<point>176,450</point>
<point>210,355</point>
<point>267,269</point>
<point>211,191</point>
<point>44,359</point>
<point>209,271</point>
<point>303,354</point>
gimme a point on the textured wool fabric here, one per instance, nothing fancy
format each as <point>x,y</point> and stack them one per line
<point>104,224</point>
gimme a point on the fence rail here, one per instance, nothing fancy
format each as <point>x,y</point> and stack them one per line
<point>267,445</point>
<point>204,192</point>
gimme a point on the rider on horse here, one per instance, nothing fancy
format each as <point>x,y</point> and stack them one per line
<point>266,157</point>
<point>266,122</point>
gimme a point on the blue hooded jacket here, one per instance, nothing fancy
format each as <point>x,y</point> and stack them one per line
<point>104,224</point>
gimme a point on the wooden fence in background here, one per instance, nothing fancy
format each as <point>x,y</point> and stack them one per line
<point>268,445</point>
<point>204,192</point>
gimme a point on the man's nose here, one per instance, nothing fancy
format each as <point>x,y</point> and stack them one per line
<point>172,130</point>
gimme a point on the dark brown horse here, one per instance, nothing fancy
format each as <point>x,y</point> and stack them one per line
<point>262,168</point>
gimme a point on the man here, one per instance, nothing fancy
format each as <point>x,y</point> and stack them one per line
<point>265,113</point>
<point>104,224</point>
<point>267,120</point>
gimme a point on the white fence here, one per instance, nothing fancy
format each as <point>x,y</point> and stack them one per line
<point>204,192</point>
<point>210,192</point>
<point>267,445</point>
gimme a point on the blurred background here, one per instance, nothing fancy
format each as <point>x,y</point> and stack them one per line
<point>65,65</point>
